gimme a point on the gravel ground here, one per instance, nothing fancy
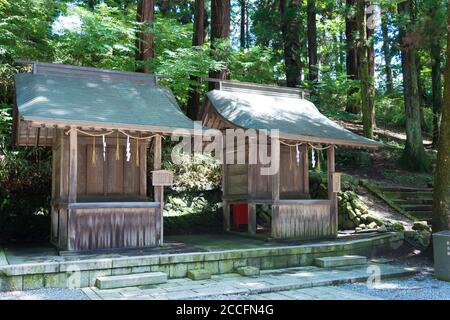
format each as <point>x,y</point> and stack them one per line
<point>419,287</point>
<point>45,294</point>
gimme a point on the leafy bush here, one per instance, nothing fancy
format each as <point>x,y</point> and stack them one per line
<point>332,91</point>
<point>353,157</point>
<point>391,111</point>
<point>193,212</point>
<point>25,188</point>
<point>196,173</point>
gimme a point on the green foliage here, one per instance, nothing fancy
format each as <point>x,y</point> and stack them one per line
<point>102,38</point>
<point>391,112</point>
<point>257,65</point>
<point>195,173</point>
<point>332,90</point>
<point>193,212</point>
<point>353,157</point>
<point>181,63</point>
<point>25,188</point>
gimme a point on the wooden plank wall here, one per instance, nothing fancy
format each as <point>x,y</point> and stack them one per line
<point>303,221</point>
<point>291,177</point>
<point>107,228</point>
<point>110,177</point>
<point>237,178</point>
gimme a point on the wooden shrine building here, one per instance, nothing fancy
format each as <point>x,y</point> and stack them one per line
<point>99,124</point>
<point>301,126</point>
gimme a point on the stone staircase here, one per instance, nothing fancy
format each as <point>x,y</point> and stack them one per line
<point>418,202</point>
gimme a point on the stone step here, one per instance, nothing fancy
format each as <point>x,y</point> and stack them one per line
<point>414,201</point>
<point>131,280</point>
<point>409,195</point>
<point>417,208</point>
<point>405,189</point>
<point>421,213</point>
<point>340,261</point>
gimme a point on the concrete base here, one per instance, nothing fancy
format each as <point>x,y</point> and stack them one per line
<point>84,272</point>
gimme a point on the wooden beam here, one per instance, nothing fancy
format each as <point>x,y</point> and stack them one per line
<point>332,196</point>
<point>73,145</point>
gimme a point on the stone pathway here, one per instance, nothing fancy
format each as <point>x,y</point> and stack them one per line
<point>291,283</point>
<point>317,293</point>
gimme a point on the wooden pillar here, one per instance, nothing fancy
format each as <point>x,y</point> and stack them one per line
<point>73,157</point>
<point>158,190</point>
<point>225,204</point>
<point>304,150</point>
<point>251,168</point>
<point>332,196</point>
<point>276,155</point>
<point>143,169</point>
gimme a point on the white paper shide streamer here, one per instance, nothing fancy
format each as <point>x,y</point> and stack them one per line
<point>297,156</point>
<point>104,147</point>
<point>128,151</point>
<point>313,158</point>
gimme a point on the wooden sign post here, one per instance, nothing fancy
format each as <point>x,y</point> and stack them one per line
<point>161,179</point>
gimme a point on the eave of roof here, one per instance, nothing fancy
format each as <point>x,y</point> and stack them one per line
<point>96,102</point>
<point>296,119</point>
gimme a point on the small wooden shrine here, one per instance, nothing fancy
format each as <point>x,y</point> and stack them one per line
<point>100,125</point>
<point>303,130</point>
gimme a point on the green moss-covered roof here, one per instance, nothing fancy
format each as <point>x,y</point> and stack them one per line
<point>96,101</point>
<point>294,117</point>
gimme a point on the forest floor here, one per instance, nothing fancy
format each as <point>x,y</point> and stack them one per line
<point>385,168</point>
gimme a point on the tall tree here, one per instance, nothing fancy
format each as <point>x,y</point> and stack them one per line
<point>290,30</point>
<point>243,24</point>
<point>441,203</point>
<point>386,47</point>
<point>144,43</point>
<point>312,41</point>
<point>220,30</point>
<point>435,27</point>
<point>364,75</point>
<point>371,58</point>
<point>352,54</point>
<point>198,39</point>
<point>414,156</point>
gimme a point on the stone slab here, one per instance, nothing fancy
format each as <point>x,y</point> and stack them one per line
<point>130,280</point>
<point>199,274</point>
<point>248,271</point>
<point>340,261</point>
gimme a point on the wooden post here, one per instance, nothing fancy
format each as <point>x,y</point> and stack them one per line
<point>158,193</point>
<point>250,192</point>
<point>276,155</point>
<point>143,169</point>
<point>73,156</point>
<point>304,150</point>
<point>332,196</point>
<point>225,204</point>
